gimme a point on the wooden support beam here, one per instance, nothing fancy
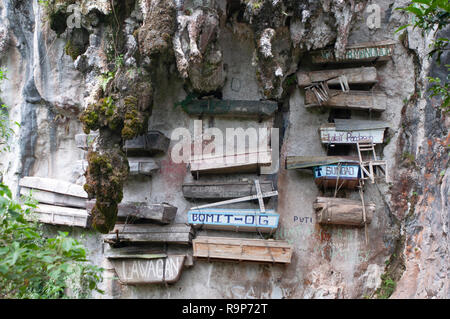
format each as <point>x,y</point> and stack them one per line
<point>240,249</point>
<point>357,100</point>
<point>362,75</point>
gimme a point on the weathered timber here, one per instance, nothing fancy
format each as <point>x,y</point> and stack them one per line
<point>340,211</point>
<point>138,166</point>
<point>240,249</point>
<point>53,186</point>
<point>222,190</point>
<point>84,141</point>
<point>57,215</point>
<point>341,175</point>
<point>307,162</point>
<point>231,108</point>
<point>249,162</point>
<point>362,52</point>
<point>249,220</point>
<point>148,269</point>
<point>358,100</point>
<point>160,213</point>
<point>151,143</point>
<point>146,233</point>
<point>352,131</point>
<point>46,197</point>
<point>363,75</point>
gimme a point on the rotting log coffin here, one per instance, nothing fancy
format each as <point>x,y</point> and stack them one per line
<point>241,249</point>
<point>362,52</point>
<point>84,141</point>
<point>362,75</point>
<point>232,108</point>
<point>329,171</point>
<point>151,143</point>
<point>341,211</point>
<point>352,131</point>
<point>223,190</point>
<point>58,215</point>
<point>251,220</point>
<point>148,268</point>
<point>160,213</point>
<point>358,100</point>
<point>146,233</point>
<point>53,191</point>
<point>249,162</point>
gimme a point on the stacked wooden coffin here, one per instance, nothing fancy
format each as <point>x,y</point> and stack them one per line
<point>60,202</point>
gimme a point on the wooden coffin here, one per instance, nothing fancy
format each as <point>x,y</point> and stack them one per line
<point>146,233</point>
<point>251,220</point>
<point>53,191</point>
<point>241,249</point>
<point>358,100</point>
<point>232,108</point>
<point>344,175</point>
<point>138,166</point>
<point>352,131</point>
<point>83,141</point>
<point>58,215</point>
<point>363,52</point>
<point>223,190</point>
<point>249,162</point>
<point>362,75</point>
<point>151,143</point>
<point>160,213</point>
<point>148,268</point>
<point>308,162</point>
<point>341,211</point>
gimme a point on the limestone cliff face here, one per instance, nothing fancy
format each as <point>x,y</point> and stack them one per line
<point>145,56</point>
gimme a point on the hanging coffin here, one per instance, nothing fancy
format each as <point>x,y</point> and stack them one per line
<point>232,108</point>
<point>83,141</point>
<point>249,162</point>
<point>58,215</point>
<point>362,75</point>
<point>138,166</point>
<point>357,100</point>
<point>223,190</point>
<point>154,142</point>
<point>251,220</point>
<point>146,233</point>
<point>148,269</point>
<point>160,213</point>
<point>352,131</point>
<point>240,249</point>
<point>53,191</point>
<point>341,211</point>
<point>363,52</point>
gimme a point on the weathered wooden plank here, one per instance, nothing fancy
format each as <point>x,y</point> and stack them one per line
<point>362,75</point>
<point>352,124</point>
<point>57,215</point>
<point>306,162</point>
<point>146,233</point>
<point>53,185</point>
<point>342,174</point>
<point>237,163</point>
<point>138,166</point>
<point>251,220</point>
<point>151,143</point>
<point>161,213</point>
<point>222,190</point>
<point>147,269</point>
<point>362,52</point>
<point>330,135</point>
<point>340,211</point>
<point>46,197</point>
<point>84,141</point>
<point>231,108</point>
<point>241,249</point>
<point>357,100</point>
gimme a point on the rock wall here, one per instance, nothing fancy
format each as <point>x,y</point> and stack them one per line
<point>247,50</point>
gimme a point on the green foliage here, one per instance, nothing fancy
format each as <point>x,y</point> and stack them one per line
<point>32,266</point>
<point>433,15</point>
<point>387,287</point>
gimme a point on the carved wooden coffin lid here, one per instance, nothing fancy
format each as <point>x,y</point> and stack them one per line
<point>305,162</point>
<point>53,185</point>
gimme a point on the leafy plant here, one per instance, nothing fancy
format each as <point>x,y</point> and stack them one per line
<point>33,266</point>
<point>431,15</point>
